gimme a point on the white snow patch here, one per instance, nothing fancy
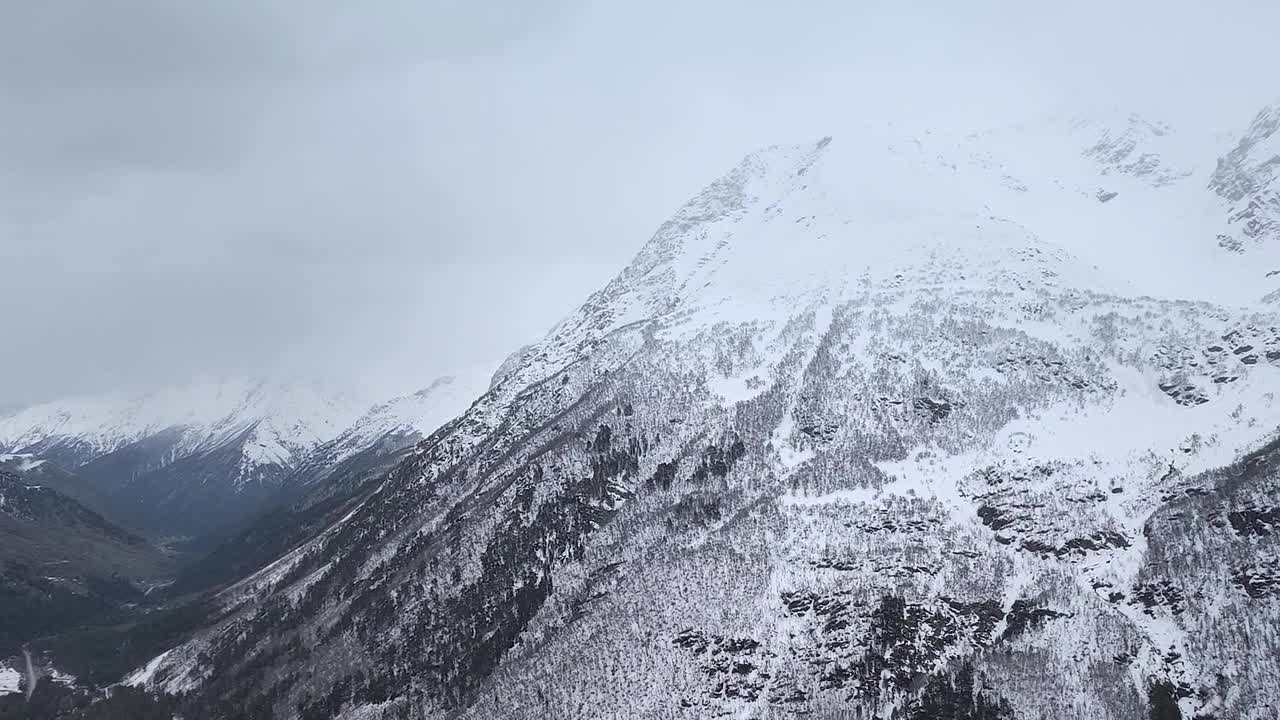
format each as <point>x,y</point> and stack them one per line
<point>932,474</point>
<point>789,457</point>
<point>736,390</point>
<point>143,676</point>
<point>25,462</point>
<point>10,680</point>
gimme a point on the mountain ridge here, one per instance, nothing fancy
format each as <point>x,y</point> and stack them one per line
<point>227,447</point>
<point>925,426</point>
<point>62,564</point>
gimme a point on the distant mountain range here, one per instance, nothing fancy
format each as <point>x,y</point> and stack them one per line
<point>202,459</point>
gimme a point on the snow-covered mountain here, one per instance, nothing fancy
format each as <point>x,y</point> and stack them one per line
<point>896,424</point>
<point>399,422</point>
<point>220,447</point>
<point>335,478</point>
<point>282,419</point>
<point>223,447</point>
<point>1246,178</point>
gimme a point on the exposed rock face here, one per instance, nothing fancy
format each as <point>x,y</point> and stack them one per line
<point>1245,177</point>
<point>858,434</point>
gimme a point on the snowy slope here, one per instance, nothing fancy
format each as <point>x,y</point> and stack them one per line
<point>895,424</point>
<point>1246,179</point>
<point>201,458</point>
<point>416,415</point>
<point>284,418</point>
<point>185,461</point>
<point>41,527</point>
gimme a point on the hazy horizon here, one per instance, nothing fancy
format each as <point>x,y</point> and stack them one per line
<point>387,193</point>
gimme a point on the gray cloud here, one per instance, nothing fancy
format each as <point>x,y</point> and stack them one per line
<point>390,189</point>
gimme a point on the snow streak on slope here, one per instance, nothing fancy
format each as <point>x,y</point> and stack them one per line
<point>21,462</point>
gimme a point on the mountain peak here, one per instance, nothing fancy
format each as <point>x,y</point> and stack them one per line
<point>869,426</point>
<point>283,416</point>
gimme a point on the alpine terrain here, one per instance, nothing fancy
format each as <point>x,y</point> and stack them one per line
<point>62,564</point>
<point>74,580</point>
<point>201,459</point>
<point>884,425</point>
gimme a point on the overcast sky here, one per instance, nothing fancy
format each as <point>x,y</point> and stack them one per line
<point>385,190</point>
